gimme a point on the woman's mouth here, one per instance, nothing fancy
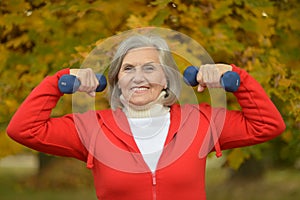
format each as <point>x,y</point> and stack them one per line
<point>139,89</point>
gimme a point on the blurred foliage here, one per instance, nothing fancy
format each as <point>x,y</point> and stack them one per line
<point>61,174</point>
<point>40,37</point>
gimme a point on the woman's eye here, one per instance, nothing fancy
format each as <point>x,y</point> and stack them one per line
<point>128,68</point>
<point>148,68</point>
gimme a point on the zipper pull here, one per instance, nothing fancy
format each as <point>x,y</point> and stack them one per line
<point>153,179</point>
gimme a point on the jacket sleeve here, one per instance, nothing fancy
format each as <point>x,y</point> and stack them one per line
<point>257,122</point>
<point>33,127</point>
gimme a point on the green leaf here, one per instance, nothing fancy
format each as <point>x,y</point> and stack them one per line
<point>160,17</point>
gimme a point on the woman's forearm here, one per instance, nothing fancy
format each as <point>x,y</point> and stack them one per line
<point>33,126</point>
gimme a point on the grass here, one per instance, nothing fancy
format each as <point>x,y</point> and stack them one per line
<point>281,184</point>
<point>13,187</point>
<point>275,184</point>
<point>19,182</point>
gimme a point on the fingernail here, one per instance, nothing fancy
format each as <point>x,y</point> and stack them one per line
<point>93,94</point>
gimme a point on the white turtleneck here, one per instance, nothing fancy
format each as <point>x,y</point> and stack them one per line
<point>149,125</point>
<point>150,135</point>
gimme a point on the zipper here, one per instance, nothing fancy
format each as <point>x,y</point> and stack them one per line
<point>154,185</point>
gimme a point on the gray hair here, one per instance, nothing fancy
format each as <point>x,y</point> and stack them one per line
<point>167,61</point>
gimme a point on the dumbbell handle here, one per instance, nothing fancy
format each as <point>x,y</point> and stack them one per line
<point>69,84</point>
<point>230,80</point>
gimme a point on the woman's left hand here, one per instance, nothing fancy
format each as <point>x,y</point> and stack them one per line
<point>209,75</point>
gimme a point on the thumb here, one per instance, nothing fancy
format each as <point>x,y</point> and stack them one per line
<point>200,88</point>
<point>92,94</point>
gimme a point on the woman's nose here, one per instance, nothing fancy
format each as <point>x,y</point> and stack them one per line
<point>138,76</point>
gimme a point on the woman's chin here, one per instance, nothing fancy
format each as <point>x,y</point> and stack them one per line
<point>139,103</point>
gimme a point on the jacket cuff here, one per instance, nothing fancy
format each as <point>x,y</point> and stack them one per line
<point>62,72</point>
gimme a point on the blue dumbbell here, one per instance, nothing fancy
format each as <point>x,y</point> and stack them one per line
<point>69,84</point>
<point>230,80</point>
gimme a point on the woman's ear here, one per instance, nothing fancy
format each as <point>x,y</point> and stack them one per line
<point>167,84</point>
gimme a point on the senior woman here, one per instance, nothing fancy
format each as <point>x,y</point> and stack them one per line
<point>146,146</point>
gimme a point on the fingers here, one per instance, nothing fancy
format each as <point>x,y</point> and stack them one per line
<point>88,81</point>
<point>208,76</point>
<point>201,86</point>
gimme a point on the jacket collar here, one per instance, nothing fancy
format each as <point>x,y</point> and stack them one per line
<point>116,121</point>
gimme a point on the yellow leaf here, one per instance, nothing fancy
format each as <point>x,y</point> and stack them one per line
<point>16,42</point>
<point>285,82</point>
<point>287,136</point>
<point>8,146</point>
<point>236,157</point>
<point>136,22</point>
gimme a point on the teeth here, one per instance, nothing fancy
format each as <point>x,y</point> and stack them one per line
<point>139,89</point>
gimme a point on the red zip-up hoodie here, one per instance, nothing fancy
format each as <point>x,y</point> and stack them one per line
<point>103,140</point>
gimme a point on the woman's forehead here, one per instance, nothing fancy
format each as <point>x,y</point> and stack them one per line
<point>143,49</point>
<point>142,54</point>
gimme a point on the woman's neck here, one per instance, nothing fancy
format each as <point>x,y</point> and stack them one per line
<point>152,109</point>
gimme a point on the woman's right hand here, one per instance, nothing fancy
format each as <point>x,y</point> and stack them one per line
<point>88,80</point>
<point>209,75</point>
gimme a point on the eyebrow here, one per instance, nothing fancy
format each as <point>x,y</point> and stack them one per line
<point>150,62</point>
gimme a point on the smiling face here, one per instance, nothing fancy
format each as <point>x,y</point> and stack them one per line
<point>141,77</point>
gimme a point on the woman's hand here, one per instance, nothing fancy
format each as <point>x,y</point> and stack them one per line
<point>88,80</point>
<point>209,75</point>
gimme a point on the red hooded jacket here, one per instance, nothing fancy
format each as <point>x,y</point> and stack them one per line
<point>103,140</point>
